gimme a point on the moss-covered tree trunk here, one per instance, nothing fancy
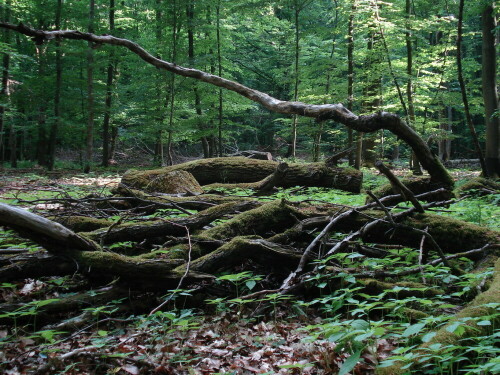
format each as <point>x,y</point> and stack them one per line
<point>243,170</point>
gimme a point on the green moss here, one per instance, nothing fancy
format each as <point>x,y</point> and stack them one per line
<point>413,315</point>
<point>83,223</point>
<point>174,182</point>
<point>479,185</point>
<point>275,216</point>
<point>453,235</point>
<point>176,252</point>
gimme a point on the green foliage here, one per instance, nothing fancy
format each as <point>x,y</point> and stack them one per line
<point>257,48</point>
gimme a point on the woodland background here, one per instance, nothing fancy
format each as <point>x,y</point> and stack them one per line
<point>83,104</point>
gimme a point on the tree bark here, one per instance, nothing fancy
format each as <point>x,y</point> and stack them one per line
<point>490,93</point>
<point>335,112</point>
<point>409,83</point>
<point>463,90</point>
<point>109,92</point>
<point>89,144</point>
<point>350,77</point>
<point>4,93</point>
<point>57,94</point>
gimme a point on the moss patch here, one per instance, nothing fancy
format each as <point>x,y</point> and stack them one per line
<point>271,217</point>
<point>83,223</point>
<point>479,185</point>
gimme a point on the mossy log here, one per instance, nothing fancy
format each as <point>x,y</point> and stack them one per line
<point>270,218</point>
<point>479,186</point>
<point>101,264</point>
<point>175,182</point>
<point>48,312</point>
<point>240,249</point>
<point>243,170</point>
<point>416,186</point>
<point>83,223</point>
<point>162,228</point>
<point>36,265</point>
<point>200,202</point>
<point>451,235</point>
<point>47,233</point>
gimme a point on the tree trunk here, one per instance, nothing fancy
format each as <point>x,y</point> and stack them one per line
<point>4,93</point>
<point>372,99</point>
<point>350,79</point>
<point>409,83</point>
<point>172,88</point>
<point>490,93</point>
<point>243,170</point>
<point>219,64</point>
<point>463,89</point>
<point>89,149</point>
<point>57,94</point>
<point>197,100</point>
<point>444,144</point>
<point>109,92</point>
<point>293,143</point>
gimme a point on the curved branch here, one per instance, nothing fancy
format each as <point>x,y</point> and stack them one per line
<point>321,112</point>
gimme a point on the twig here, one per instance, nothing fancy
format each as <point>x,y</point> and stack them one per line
<point>422,256</point>
<point>387,213</point>
<point>335,219</point>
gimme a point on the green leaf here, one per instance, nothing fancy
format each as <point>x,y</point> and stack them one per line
<point>484,323</point>
<point>428,336</point>
<point>350,363</point>
<point>413,329</point>
<point>250,284</point>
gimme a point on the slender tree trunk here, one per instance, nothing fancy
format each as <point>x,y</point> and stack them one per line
<point>170,160</point>
<point>57,94</point>
<point>372,101</point>
<point>463,89</point>
<point>444,145</point>
<point>296,79</point>
<point>162,107</point>
<point>350,78</point>
<point>90,93</point>
<point>490,93</point>
<point>109,92</point>
<point>409,84</point>
<point>219,64</point>
<point>42,143</point>
<point>4,93</point>
<point>197,100</point>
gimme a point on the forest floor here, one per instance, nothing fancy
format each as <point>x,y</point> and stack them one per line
<point>333,332</point>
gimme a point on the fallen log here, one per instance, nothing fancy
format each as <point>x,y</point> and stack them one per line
<point>243,170</point>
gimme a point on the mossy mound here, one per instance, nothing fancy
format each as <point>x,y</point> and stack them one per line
<point>479,186</point>
<point>174,182</point>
